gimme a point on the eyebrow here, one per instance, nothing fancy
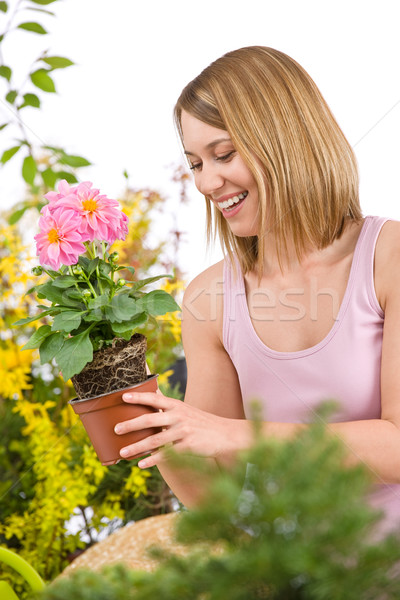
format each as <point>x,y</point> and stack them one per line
<point>210,145</point>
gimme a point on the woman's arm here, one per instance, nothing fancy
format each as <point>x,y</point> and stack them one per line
<point>377,442</point>
<point>201,424</point>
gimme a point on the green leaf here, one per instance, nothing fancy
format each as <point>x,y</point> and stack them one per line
<point>31,100</point>
<point>52,273</point>
<point>125,335</point>
<point>10,97</point>
<point>41,10</point>
<point>75,353</point>
<point>5,72</point>
<point>7,154</point>
<point>58,62</point>
<point>92,265</point>
<point>30,291</point>
<point>43,2</point>
<point>74,161</point>
<point>16,216</point>
<point>67,321</point>
<point>34,27</point>
<point>99,301</point>
<point>69,177</point>
<point>49,177</point>
<point>50,346</point>
<point>139,284</point>
<point>57,295</point>
<point>157,302</point>
<point>104,268</point>
<point>29,169</point>
<point>130,269</point>
<point>94,316</point>
<point>121,308</point>
<point>65,281</point>
<point>3,126</point>
<point>72,297</point>
<point>37,337</point>
<point>3,6</point>
<point>42,80</point>
<point>28,320</point>
<point>128,326</point>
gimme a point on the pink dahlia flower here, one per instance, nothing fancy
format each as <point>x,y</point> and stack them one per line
<point>100,217</point>
<point>59,241</point>
<point>64,189</point>
<point>119,231</point>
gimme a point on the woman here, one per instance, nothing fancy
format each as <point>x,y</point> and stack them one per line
<point>306,304</point>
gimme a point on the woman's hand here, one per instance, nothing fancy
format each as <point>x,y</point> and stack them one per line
<point>186,428</point>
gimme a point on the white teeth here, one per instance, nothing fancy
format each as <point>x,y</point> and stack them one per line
<point>234,200</point>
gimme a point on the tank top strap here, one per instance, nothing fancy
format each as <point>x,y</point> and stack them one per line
<point>362,276</point>
<point>234,297</point>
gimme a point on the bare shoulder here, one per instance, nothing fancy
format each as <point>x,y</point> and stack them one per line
<point>204,295</point>
<point>387,262</point>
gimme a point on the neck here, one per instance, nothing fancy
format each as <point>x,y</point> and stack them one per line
<point>311,257</point>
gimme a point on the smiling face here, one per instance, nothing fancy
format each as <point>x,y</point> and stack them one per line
<point>221,175</point>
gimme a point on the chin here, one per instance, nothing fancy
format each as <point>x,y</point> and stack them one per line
<point>241,230</point>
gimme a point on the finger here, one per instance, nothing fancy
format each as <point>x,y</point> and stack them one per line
<point>152,443</point>
<point>146,421</point>
<point>155,399</point>
<point>151,461</point>
<point>159,456</point>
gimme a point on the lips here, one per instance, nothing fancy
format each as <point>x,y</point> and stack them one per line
<point>229,202</point>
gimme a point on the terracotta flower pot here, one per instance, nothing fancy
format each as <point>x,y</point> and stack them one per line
<point>100,414</point>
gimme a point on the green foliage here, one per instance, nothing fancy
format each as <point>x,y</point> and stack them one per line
<point>114,584</point>
<point>90,308</point>
<point>41,165</point>
<point>297,528</point>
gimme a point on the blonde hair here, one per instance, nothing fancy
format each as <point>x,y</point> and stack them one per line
<point>281,126</point>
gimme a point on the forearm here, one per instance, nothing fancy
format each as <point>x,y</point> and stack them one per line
<point>374,443</point>
<point>189,485</point>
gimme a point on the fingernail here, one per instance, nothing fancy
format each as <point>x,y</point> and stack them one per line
<point>127,396</point>
<point>117,429</point>
<point>142,464</point>
<point>124,452</point>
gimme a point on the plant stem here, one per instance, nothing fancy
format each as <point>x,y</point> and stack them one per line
<point>87,281</point>
<point>49,274</point>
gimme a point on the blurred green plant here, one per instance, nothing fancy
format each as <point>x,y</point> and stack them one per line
<point>297,528</point>
<point>22,87</point>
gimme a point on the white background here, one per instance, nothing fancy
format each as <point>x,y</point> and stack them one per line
<point>134,57</point>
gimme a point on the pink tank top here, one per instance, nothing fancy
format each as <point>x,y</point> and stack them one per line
<point>344,366</point>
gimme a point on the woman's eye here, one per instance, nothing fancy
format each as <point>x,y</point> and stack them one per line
<point>195,167</point>
<point>226,156</point>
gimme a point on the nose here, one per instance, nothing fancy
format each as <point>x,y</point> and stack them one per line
<point>209,180</point>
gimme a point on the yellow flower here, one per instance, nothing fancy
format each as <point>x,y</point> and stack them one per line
<point>136,482</point>
<point>163,378</point>
<point>15,370</point>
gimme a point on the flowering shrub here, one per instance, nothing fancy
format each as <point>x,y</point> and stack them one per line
<point>45,453</point>
<point>90,306</point>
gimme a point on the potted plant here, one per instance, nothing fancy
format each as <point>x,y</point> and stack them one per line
<point>93,313</point>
